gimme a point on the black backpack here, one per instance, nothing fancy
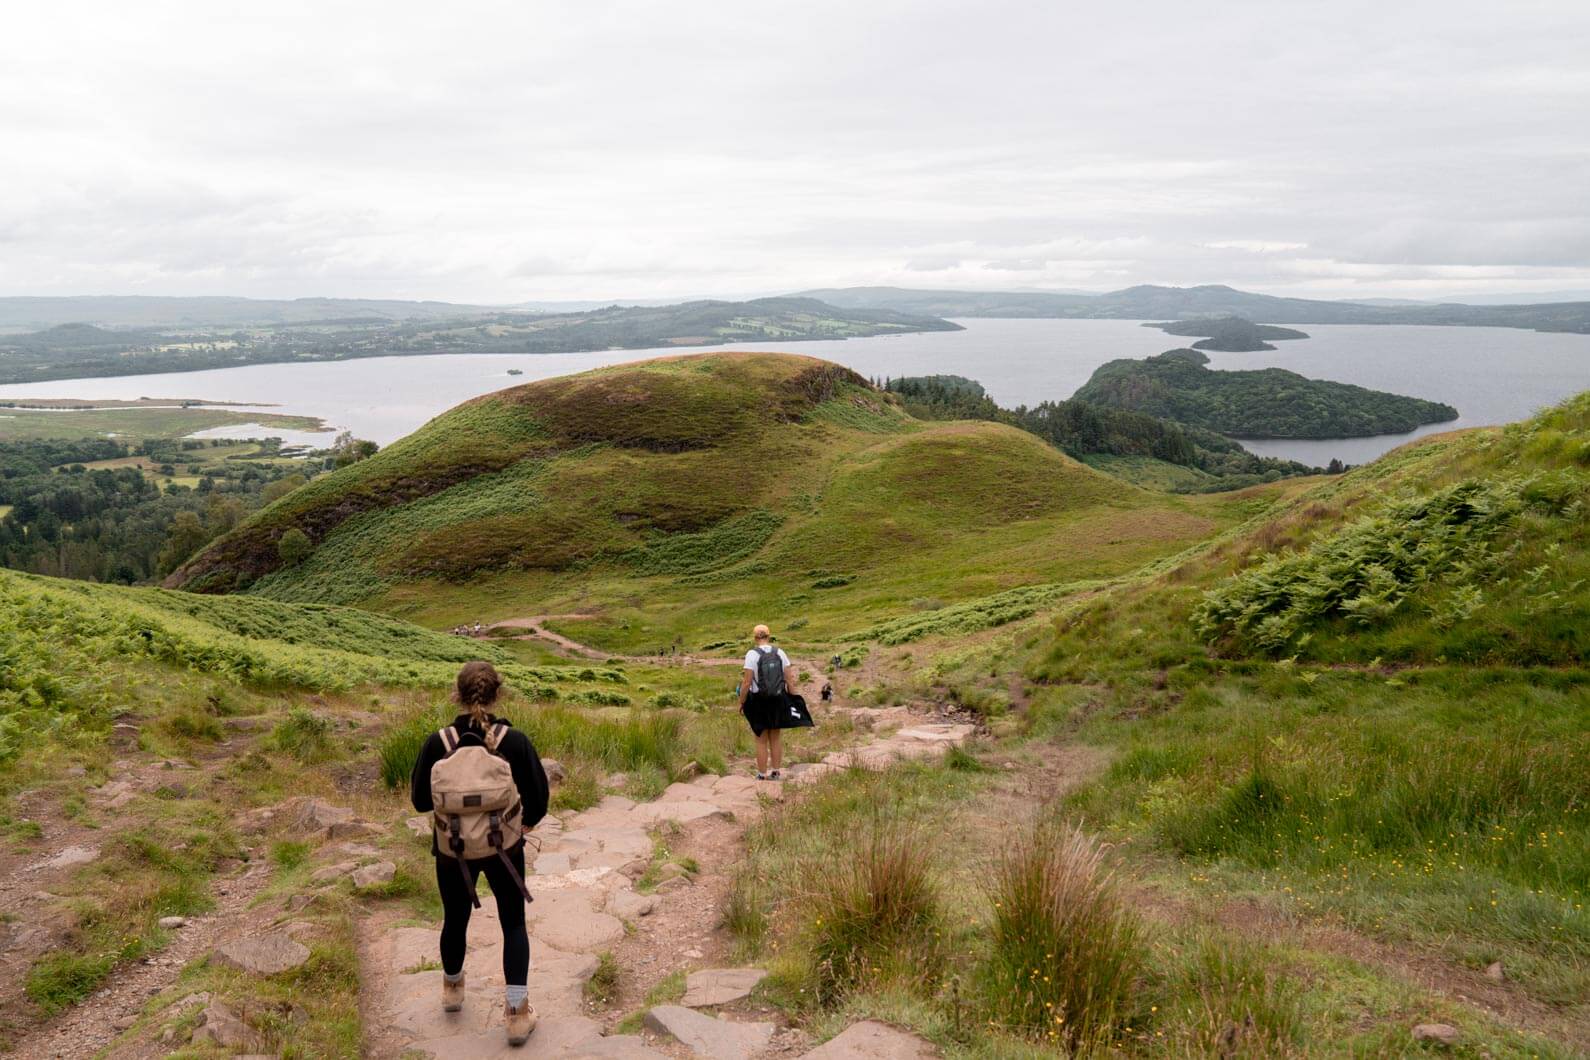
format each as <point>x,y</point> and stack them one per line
<point>770,673</point>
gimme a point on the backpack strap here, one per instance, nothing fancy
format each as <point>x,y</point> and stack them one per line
<point>494,736</point>
<point>449,737</point>
<point>455,843</point>
<point>494,837</point>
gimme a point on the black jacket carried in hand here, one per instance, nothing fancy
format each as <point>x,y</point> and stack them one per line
<point>528,776</point>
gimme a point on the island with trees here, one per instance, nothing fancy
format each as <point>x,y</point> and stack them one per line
<point>1229,334</point>
<point>1264,403</point>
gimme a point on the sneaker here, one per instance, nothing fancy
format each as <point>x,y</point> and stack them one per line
<point>775,775</point>
<point>760,775</point>
<point>520,1022</point>
<point>452,995</point>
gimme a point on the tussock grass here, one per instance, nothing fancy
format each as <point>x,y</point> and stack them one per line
<point>305,735</point>
<point>873,913</point>
<point>1064,950</point>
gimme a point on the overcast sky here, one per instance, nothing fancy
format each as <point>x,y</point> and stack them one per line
<point>543,149</point>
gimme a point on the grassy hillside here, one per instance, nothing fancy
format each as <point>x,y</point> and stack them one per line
<point>1339,752</point>
<point>700,491</point>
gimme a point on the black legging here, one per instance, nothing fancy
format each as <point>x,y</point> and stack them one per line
<point>456,908</point>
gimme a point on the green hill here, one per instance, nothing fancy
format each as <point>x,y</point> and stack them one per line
<point>1267,403</point>
<point>748,472</point>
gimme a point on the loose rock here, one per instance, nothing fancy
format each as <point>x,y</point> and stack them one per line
<point>374,875</point>
<point>1495,971</point>
<point>224,1027</point>
<point>316,814</point>
<point>720,986</point>
<point>714,1038</point>
<point>1439,1033</point>
<point>269,954</point>
<point>172,922</point>
<point>871,1040</point>
<point>71,857</point>
<point>556,774</point>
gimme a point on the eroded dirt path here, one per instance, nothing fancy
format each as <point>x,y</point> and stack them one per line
<point>535,627</point>
<point>587,903</point>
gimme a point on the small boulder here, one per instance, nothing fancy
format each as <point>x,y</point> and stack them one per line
<point>71,857</point>
<point>689,771</point>
<point>871,1040</point>
<point>1495,971</point>
<point>327,873</point>
<point>1440,1033</point>
<point>317,814</point>
<point>374,875</point>
<point>352,830</point>
<point>556,774</point>
<point>705,1036</point>
<point>676,883</point>
<point>634,869</point>
<point>171,923</point>
<point>627,905</point>
<point>720,986</point>
<point>671,870</point>
<point>420,825</point>
<point>218,1023</point>
<point>269,954</point>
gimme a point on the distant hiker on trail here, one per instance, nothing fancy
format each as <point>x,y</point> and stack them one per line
<point>828,692</point>
<point>765,700</point>
<point>482,781</point>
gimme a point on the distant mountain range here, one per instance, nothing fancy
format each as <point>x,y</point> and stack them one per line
<point>1145,302</point>
<point>1149,302</point>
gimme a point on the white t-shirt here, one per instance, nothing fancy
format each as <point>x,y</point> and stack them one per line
<point>750,663</point>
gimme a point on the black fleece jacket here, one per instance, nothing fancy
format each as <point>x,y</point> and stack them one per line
<point>528,775</point>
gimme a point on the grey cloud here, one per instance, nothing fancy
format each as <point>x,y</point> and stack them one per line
<point>562,149</point>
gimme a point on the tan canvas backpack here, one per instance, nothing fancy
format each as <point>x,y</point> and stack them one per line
<point>477,811</point>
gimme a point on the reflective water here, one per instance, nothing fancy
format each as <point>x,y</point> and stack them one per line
<point>1491,375</point>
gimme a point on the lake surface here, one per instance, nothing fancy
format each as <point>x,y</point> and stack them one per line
<point>1491,375</point>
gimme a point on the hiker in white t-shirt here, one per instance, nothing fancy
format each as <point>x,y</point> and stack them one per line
<point>767,677</point>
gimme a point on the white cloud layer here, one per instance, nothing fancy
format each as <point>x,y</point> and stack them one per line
<point>510,151</point>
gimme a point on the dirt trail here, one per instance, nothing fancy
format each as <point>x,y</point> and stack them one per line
<point>32,921</point>
<point>586,903</point>
<point>536,629</point>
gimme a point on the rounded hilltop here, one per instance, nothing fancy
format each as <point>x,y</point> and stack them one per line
<point>668,466</point>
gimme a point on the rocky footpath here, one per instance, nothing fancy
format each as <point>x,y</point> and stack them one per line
<point>583,875</point>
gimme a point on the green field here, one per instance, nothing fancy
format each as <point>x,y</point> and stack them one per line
<point>135,423</point>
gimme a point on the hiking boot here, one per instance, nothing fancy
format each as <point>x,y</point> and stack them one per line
<point>520,1022</point>
<point>452,995</point>
<point>775,775</point>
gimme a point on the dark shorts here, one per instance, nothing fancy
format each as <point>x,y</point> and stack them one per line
<point>763,712</point>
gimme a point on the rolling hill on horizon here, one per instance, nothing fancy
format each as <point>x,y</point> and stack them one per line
<point>1153,302</point>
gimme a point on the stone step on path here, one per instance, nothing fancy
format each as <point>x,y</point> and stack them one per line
<point>582,876</point>
<point>912,742</point>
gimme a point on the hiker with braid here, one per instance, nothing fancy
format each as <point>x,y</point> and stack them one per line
<point>764,684</point>
<point>482,781</point>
